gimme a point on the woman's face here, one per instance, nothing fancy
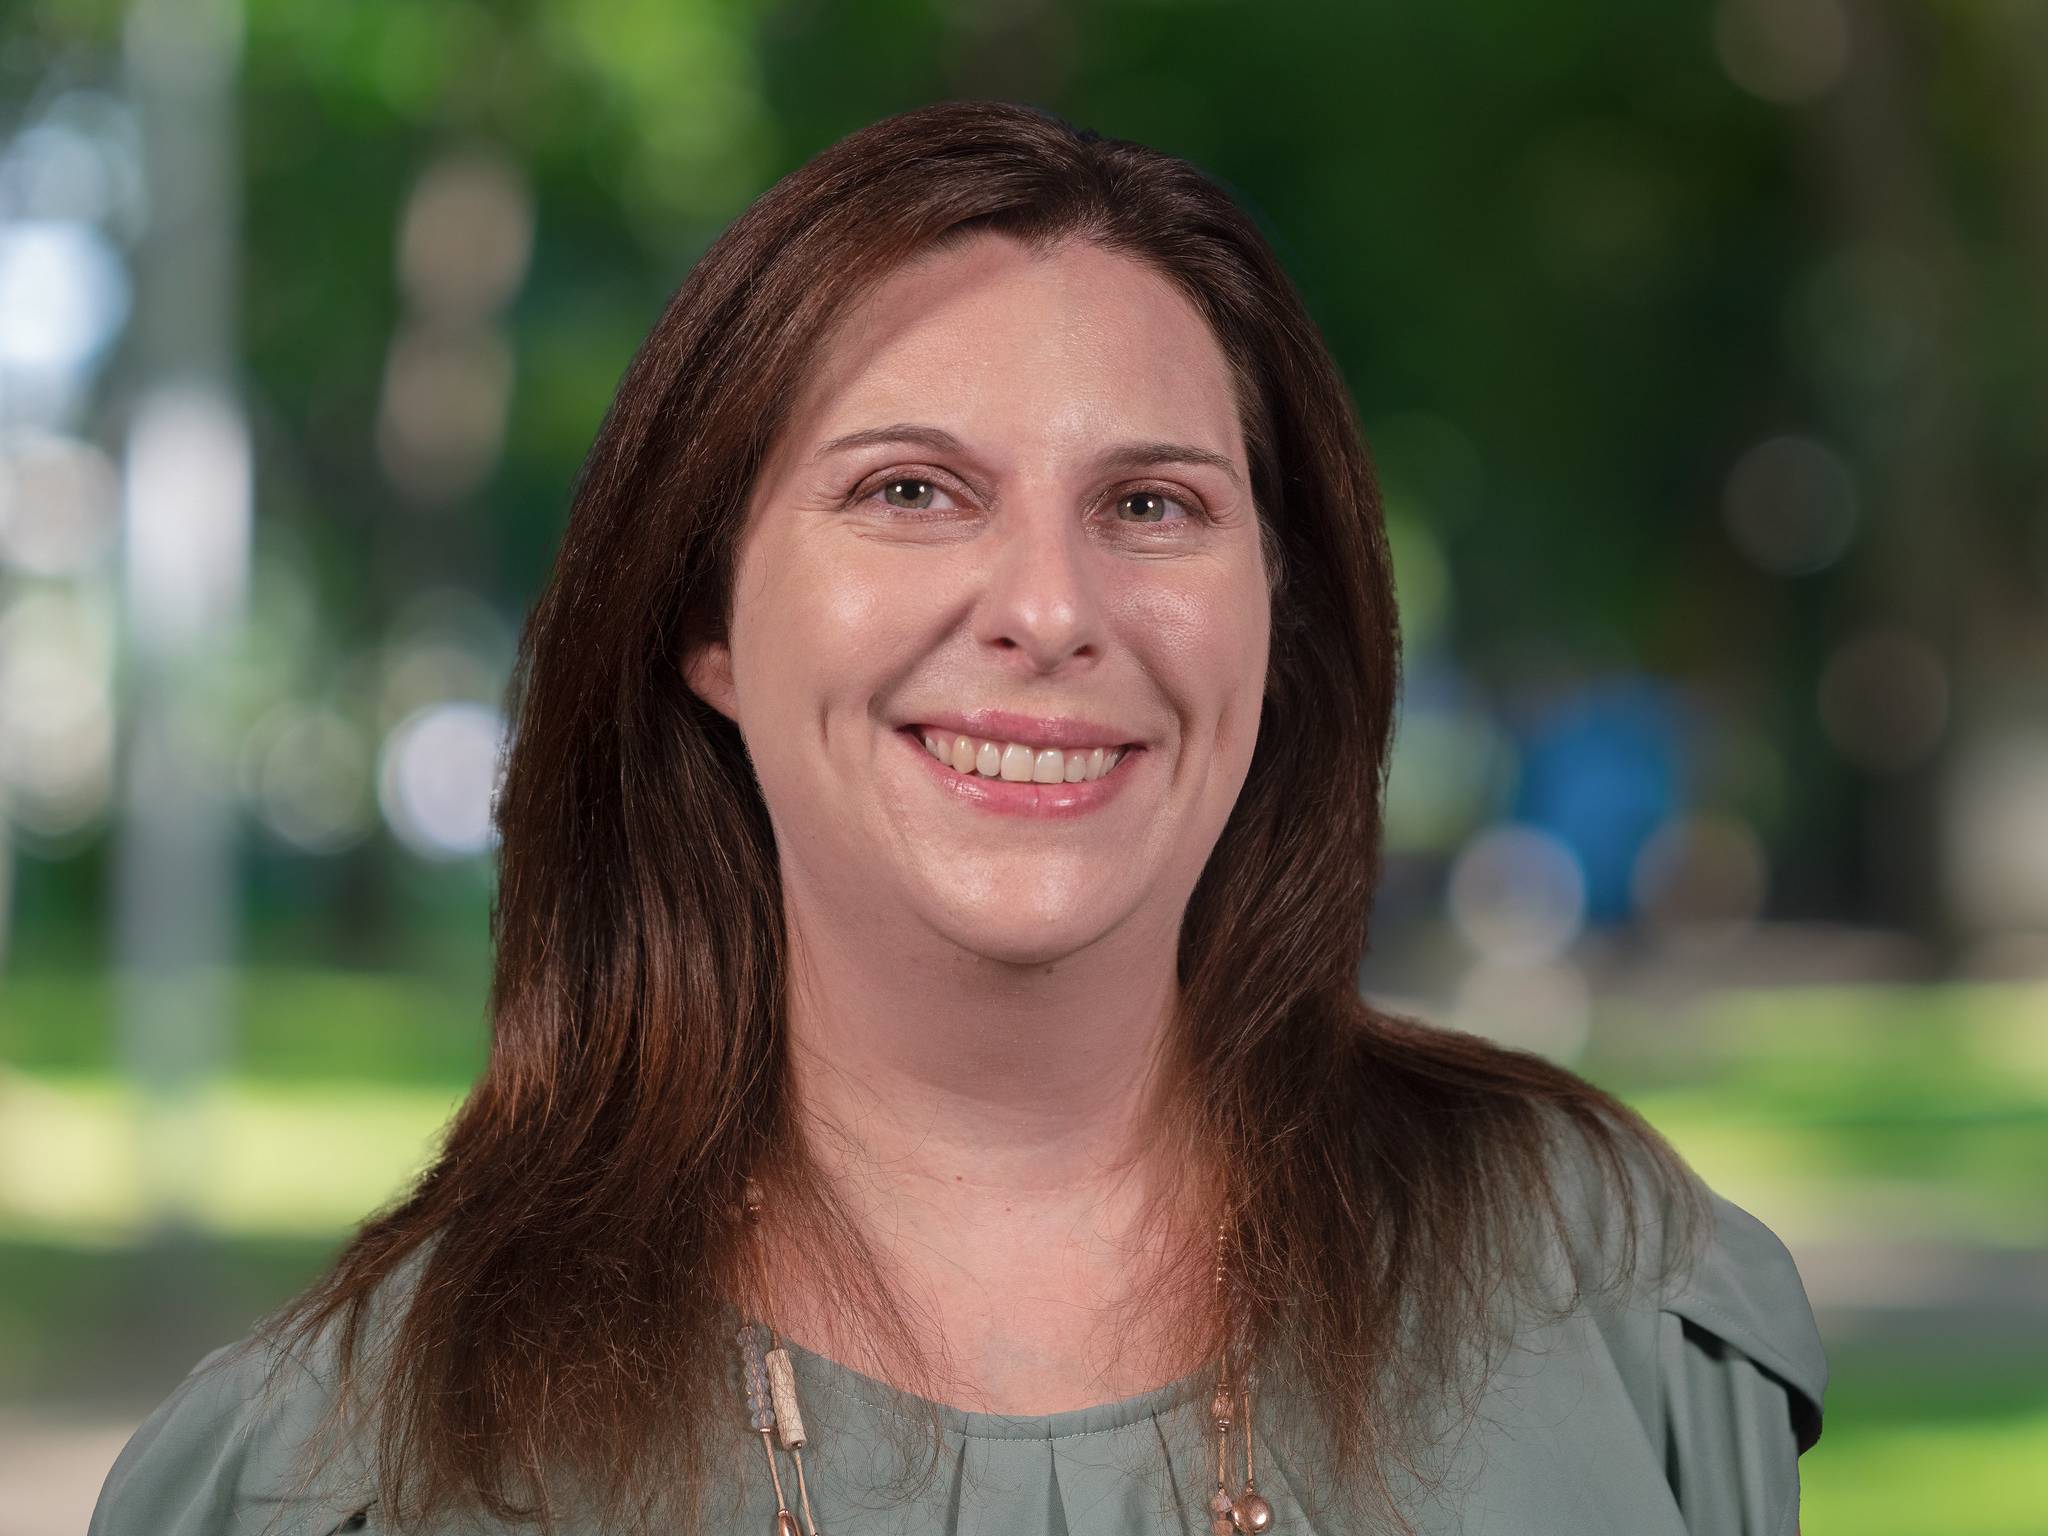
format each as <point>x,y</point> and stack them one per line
<point>1011,505</point>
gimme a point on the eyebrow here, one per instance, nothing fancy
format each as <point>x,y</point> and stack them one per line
<point>1122,456</point>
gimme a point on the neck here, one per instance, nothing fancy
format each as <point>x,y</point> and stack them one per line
<point>972,1077</point>
<point>988,1130</point>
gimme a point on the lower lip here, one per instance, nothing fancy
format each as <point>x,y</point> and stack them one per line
<point>1011,797</point>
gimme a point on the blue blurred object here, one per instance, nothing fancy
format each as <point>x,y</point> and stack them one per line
<point>1601,768</point>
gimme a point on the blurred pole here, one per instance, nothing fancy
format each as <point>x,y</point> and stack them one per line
<point>1932,566</point>
<point>6,887</point>
<point>185,555</point>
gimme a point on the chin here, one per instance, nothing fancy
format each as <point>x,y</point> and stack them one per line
<point>1019,938</point>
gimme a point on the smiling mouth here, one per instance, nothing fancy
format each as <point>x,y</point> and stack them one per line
<point>1017,762</point>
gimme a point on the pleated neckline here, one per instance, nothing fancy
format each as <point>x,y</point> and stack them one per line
<point>1101,1418</point>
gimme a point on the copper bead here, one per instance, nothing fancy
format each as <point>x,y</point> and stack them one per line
<point>1219,1408</point>
<point>1252,1513</point>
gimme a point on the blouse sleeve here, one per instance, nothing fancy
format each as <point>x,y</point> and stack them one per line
<point>1720,1359</point>
<point>1741,1378</point>
<point>219,1457</point>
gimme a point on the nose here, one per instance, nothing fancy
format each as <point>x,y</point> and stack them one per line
<point>1040,598</point>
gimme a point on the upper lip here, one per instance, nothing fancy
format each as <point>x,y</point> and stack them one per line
<point>1063,731</point>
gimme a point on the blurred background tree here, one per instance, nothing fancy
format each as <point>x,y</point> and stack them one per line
<point>1701,353</point>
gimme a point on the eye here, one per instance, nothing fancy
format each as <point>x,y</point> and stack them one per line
<point>911,493</point>
<point>1153,505</point>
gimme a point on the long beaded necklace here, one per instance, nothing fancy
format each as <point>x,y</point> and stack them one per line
<point>773,1412</point>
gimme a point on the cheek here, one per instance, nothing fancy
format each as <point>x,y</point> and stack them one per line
<point>1207,638</point>
<point>807,599</point>
<point>826,631</point>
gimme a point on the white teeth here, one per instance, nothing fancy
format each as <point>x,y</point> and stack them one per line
<point>1018,763</point>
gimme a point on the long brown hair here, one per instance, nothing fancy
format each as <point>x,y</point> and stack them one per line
<point>571,1251</point>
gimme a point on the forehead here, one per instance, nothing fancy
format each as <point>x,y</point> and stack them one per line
<point>1024,353</point>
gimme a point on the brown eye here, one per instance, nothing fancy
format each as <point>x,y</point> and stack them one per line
<point>918,499</point>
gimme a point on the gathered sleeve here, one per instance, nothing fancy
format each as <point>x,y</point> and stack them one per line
<point>220,1457</point>
<point>1741,1381</point>
<point>1719,1362</point>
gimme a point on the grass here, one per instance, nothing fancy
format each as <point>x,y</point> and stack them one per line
<point>287,1025</point>
<point>89,1160</point>
<point>1932,1479</point>
<point>1926,1443</point>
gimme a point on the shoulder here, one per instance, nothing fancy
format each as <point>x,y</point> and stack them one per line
<point>1706,1271</point>
<point>222,1452</point>
<point>251,1440</point>
<point>1746,1292</point>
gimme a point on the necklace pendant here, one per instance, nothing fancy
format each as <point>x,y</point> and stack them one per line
<point>785,1524</point>
<point>1251,1513</point>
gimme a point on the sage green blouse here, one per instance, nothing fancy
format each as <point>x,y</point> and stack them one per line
<point>1681,1409</point>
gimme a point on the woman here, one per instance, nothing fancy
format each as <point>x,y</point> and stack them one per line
<point>936,855</point>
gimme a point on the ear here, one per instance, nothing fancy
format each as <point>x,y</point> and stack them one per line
<point>707,668</point>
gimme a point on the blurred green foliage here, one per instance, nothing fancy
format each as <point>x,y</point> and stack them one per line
<point>1570,267</point>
